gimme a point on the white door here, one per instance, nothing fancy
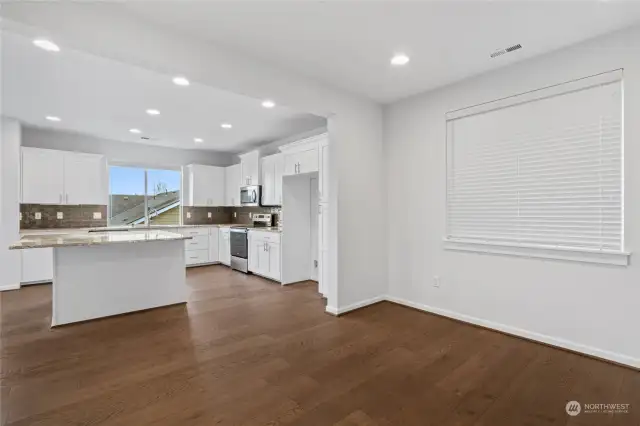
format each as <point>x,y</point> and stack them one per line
<point>84,178</point>
<point>314,228</point>
<point>37,265</point>
<point>42,176</point>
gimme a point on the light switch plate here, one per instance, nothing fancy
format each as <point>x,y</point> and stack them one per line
<point>209,215</point>
<point>20,215</point>
<point>38,215</point>
<point>188,215</point>
<point>60,215</point>
<point>97,215</point>
<point>235,214</point>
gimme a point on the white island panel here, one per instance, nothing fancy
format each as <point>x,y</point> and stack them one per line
<point>102,280</point>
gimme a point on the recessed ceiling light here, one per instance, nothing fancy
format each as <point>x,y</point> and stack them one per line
<point>136,131</point>
<point>399,60</point>
<point>226,126</point>
<point>180,81</point>
<point>153,112</point>
<point>52,118</point>
<point>47,45</point>
<point>268,104</point>
<point>198,140</point>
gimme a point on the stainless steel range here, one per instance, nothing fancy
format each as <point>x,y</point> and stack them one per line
<point>240,244</point>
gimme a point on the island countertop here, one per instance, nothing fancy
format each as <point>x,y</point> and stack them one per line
<point>50,239</point>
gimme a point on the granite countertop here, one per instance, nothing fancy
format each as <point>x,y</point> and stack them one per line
<point>50,239</point>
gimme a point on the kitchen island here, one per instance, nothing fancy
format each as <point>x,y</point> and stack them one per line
<point>101,274</point>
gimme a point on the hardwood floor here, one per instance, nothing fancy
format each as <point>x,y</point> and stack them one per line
<point>245,351</point>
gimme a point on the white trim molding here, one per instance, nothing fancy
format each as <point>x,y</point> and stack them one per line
<point>352,307</point>
<point>10,287</point>
<point>539,251</point>
<point>549,340</point>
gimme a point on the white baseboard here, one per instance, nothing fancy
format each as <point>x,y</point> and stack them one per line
<point>550,340</point>
<point>10,287</point>
<point>339,311</point>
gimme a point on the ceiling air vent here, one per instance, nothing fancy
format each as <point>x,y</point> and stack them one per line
<point>507,50</point>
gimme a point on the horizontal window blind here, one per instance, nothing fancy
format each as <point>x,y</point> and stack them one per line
<point>542,172</point>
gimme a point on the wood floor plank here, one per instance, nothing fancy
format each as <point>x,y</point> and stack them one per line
<point>247,351</point>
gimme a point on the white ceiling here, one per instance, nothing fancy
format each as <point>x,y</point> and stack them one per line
<point>348,44</point>
<point>105,98</point>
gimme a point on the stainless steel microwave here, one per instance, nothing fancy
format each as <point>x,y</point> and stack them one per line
<point>250,195</point>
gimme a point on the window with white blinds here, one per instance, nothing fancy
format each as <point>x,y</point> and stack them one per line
<point>542,170</point>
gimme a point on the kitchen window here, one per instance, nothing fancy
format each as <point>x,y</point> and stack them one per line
<point>540,174</point>
<point>140,196</point>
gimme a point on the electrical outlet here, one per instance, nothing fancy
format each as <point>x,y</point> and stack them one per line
<point>436,281</point>
<point>97,215</point>
<point>250,215</point>
<point>38,216</point>
<point>20,216</point>
<point>188,215</point>
<point>60,215</point>
<point>209,215</point>
<point>235,214</point>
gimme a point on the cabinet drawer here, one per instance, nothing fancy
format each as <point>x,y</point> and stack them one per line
<point>195,257</point>
<point>197,242</point>
<point>195,231</point>
<point>272,237</point>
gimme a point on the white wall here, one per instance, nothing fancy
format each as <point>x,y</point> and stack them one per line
<point>10,261</point>
<point>586,307</point>
<point>121,151</point>
<point>355,131</point>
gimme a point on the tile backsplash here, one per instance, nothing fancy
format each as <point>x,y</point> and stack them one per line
<point>237,215</point>
<point>44,216</point>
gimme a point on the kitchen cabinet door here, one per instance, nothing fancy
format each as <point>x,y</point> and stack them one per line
<point>255,246</point>
<point>278,173</point>
<point>37,265</point>
<point>291,163</point>
<point>268,181</point>
<point>263,258</point>
<point>214,248</point>
<point>225,246</point>
<point>232,185</point>
<point>274,261</point>
<point>308,161</point>
<point>206,186</point>
<point>85,178</point>
<point>250,168</point>
<point>42,176</point>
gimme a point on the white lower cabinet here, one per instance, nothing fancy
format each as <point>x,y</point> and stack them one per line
<point>202,248</point>
<point>224,246</point>
<point>37,265</point>
<point>264,254</point>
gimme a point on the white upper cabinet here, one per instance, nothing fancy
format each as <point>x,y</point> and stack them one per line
<point>302,156</point>
<point>85,177</point>
<point>206,186</point>
<point>42,176</point>
<point>250,168</point>
<point>232,185</point>
<point>61,177</point>
<point>272,169</point>
<point>323,159</point>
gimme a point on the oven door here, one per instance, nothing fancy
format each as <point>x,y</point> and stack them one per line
<point>250,195</point>
<point>239,244</point>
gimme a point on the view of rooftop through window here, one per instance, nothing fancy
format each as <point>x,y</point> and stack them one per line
<point>133,203</point>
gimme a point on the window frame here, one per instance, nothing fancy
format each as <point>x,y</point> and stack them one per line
<point>612,257</point>
<point>145,168</point>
